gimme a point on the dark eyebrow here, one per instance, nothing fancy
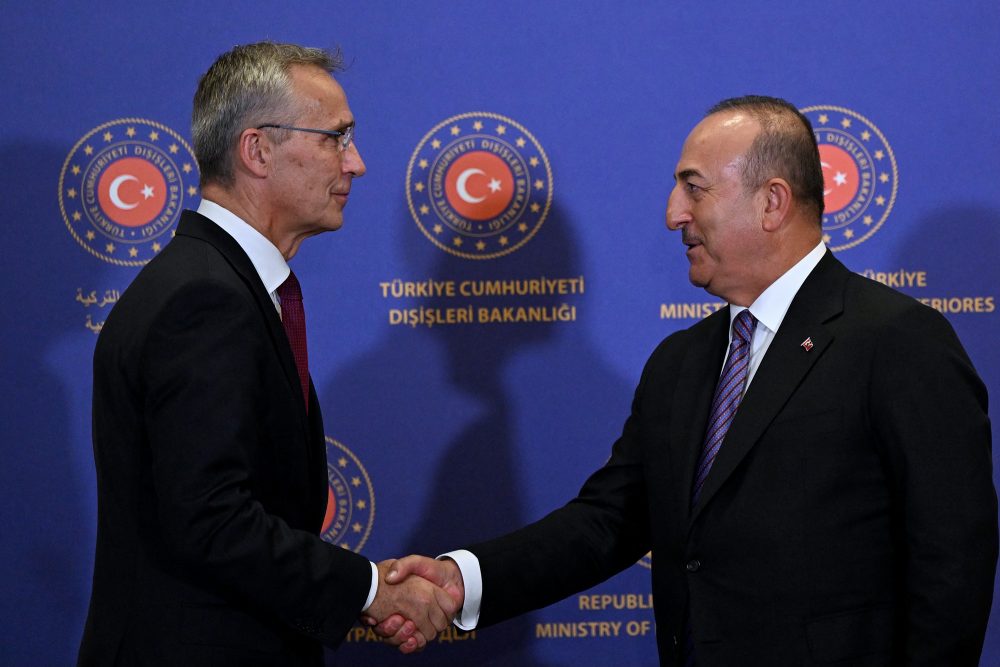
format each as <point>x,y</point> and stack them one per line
<point>685,174</point>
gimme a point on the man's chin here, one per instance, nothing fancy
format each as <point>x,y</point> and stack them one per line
<point>332,224</point>
<point>697,279</point>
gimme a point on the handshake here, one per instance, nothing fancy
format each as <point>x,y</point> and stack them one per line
<point>417,597</point>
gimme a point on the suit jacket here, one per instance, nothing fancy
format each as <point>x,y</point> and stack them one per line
<point>211,476</point>
<point>849,518</point>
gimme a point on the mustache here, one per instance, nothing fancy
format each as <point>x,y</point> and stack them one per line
<point>688,239</point>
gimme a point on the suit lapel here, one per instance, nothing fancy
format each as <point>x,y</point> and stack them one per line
<point>197,226</point>
<point>782,370</point>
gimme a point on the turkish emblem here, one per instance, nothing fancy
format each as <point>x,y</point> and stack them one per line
<point>860,176</point>
<point>350,506</point>
<point>123,186</point>
<point>807,344</point>
<point>479,185</point>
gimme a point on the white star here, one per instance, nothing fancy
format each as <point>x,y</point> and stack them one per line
<point>147,191</point>
<point>840,178</point>
<point>495,185</point>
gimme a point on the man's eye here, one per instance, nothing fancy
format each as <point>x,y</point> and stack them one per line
<point>691,188</point>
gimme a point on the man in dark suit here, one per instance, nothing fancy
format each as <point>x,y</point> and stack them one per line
<point>809,466</point>
<point>208,438</point>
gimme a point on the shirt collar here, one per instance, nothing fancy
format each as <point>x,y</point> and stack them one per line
<point>265,257</point>
<point>771,306</point>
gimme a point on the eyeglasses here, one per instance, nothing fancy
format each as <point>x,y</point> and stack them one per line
<point>344,137</point>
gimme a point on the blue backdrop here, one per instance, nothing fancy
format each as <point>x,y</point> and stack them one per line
<point>452,414</point>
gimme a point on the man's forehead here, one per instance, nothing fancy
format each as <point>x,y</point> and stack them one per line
<point>313,78</point>
<point>318,91</point>
<point>725,126</point>
<point>717,140</point>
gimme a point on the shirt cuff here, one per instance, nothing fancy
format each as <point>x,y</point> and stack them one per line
<point>472,578</point>
<point>373,590</point>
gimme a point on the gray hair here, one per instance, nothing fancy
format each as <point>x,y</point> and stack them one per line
<point>785,147</point>
<point>246,87</point>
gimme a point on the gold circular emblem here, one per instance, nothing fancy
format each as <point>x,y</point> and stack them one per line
<point>479,185</point>
<point>860,176</point>
<point>123,187</point>
<point>350,507</point>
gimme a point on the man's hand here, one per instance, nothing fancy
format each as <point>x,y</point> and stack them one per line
<point>411,610</point>
<point>443,574</point>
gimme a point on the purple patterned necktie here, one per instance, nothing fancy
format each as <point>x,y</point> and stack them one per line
<point>293,318</point>
<point>728,395</point>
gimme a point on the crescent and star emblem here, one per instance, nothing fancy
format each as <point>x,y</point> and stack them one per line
<point>113,192</point>
<point>825,166</point>
<point>123,186</point>
<point>147,192</point>
<point>462,188</point>
<point>478,185</point>
<point>840,178</point>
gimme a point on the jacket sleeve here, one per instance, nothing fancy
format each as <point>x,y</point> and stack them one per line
<point>929,409</point>
<point>599,533</point>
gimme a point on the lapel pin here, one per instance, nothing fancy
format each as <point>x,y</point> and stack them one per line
<point>807,344</point>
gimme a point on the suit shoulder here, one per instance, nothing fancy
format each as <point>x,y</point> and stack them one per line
<point>186,257</point>
<point>880,304</point>
<point>186,271</point>
<point>676,345</point>
<point>897,325</point>
<point>184,262</point>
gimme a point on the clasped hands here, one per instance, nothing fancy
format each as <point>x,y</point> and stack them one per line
<point>417,598</point>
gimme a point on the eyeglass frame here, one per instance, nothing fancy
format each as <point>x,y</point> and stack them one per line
<point>344,143</point>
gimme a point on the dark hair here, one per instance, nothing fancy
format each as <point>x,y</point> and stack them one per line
<point>245,87</point>
<point>785,147</point>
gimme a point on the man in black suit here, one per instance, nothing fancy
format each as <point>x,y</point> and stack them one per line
<point>208,438</point>
<point>848,515</point>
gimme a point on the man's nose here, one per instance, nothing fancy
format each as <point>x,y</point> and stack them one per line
<point>352,161</point>
<point>677,213</point>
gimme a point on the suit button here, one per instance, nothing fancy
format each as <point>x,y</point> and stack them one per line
<point>693,565</point>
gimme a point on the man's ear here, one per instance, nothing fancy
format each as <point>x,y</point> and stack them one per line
<point>253,152</point>
<point>777,204</point>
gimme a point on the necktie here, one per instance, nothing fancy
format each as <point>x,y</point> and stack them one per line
<point>293,318</point>
<point>728,395</point>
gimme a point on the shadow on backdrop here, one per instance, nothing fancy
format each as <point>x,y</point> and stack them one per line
<point>47,510</point>
<point>454,418</point>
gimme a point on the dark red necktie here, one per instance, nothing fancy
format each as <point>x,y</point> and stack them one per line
<point>293,318</point>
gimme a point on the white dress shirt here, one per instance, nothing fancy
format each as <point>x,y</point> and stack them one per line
<point>769,309</point>
<point>266,258</point>
<point>771,306</point>
<point>273,270</point>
